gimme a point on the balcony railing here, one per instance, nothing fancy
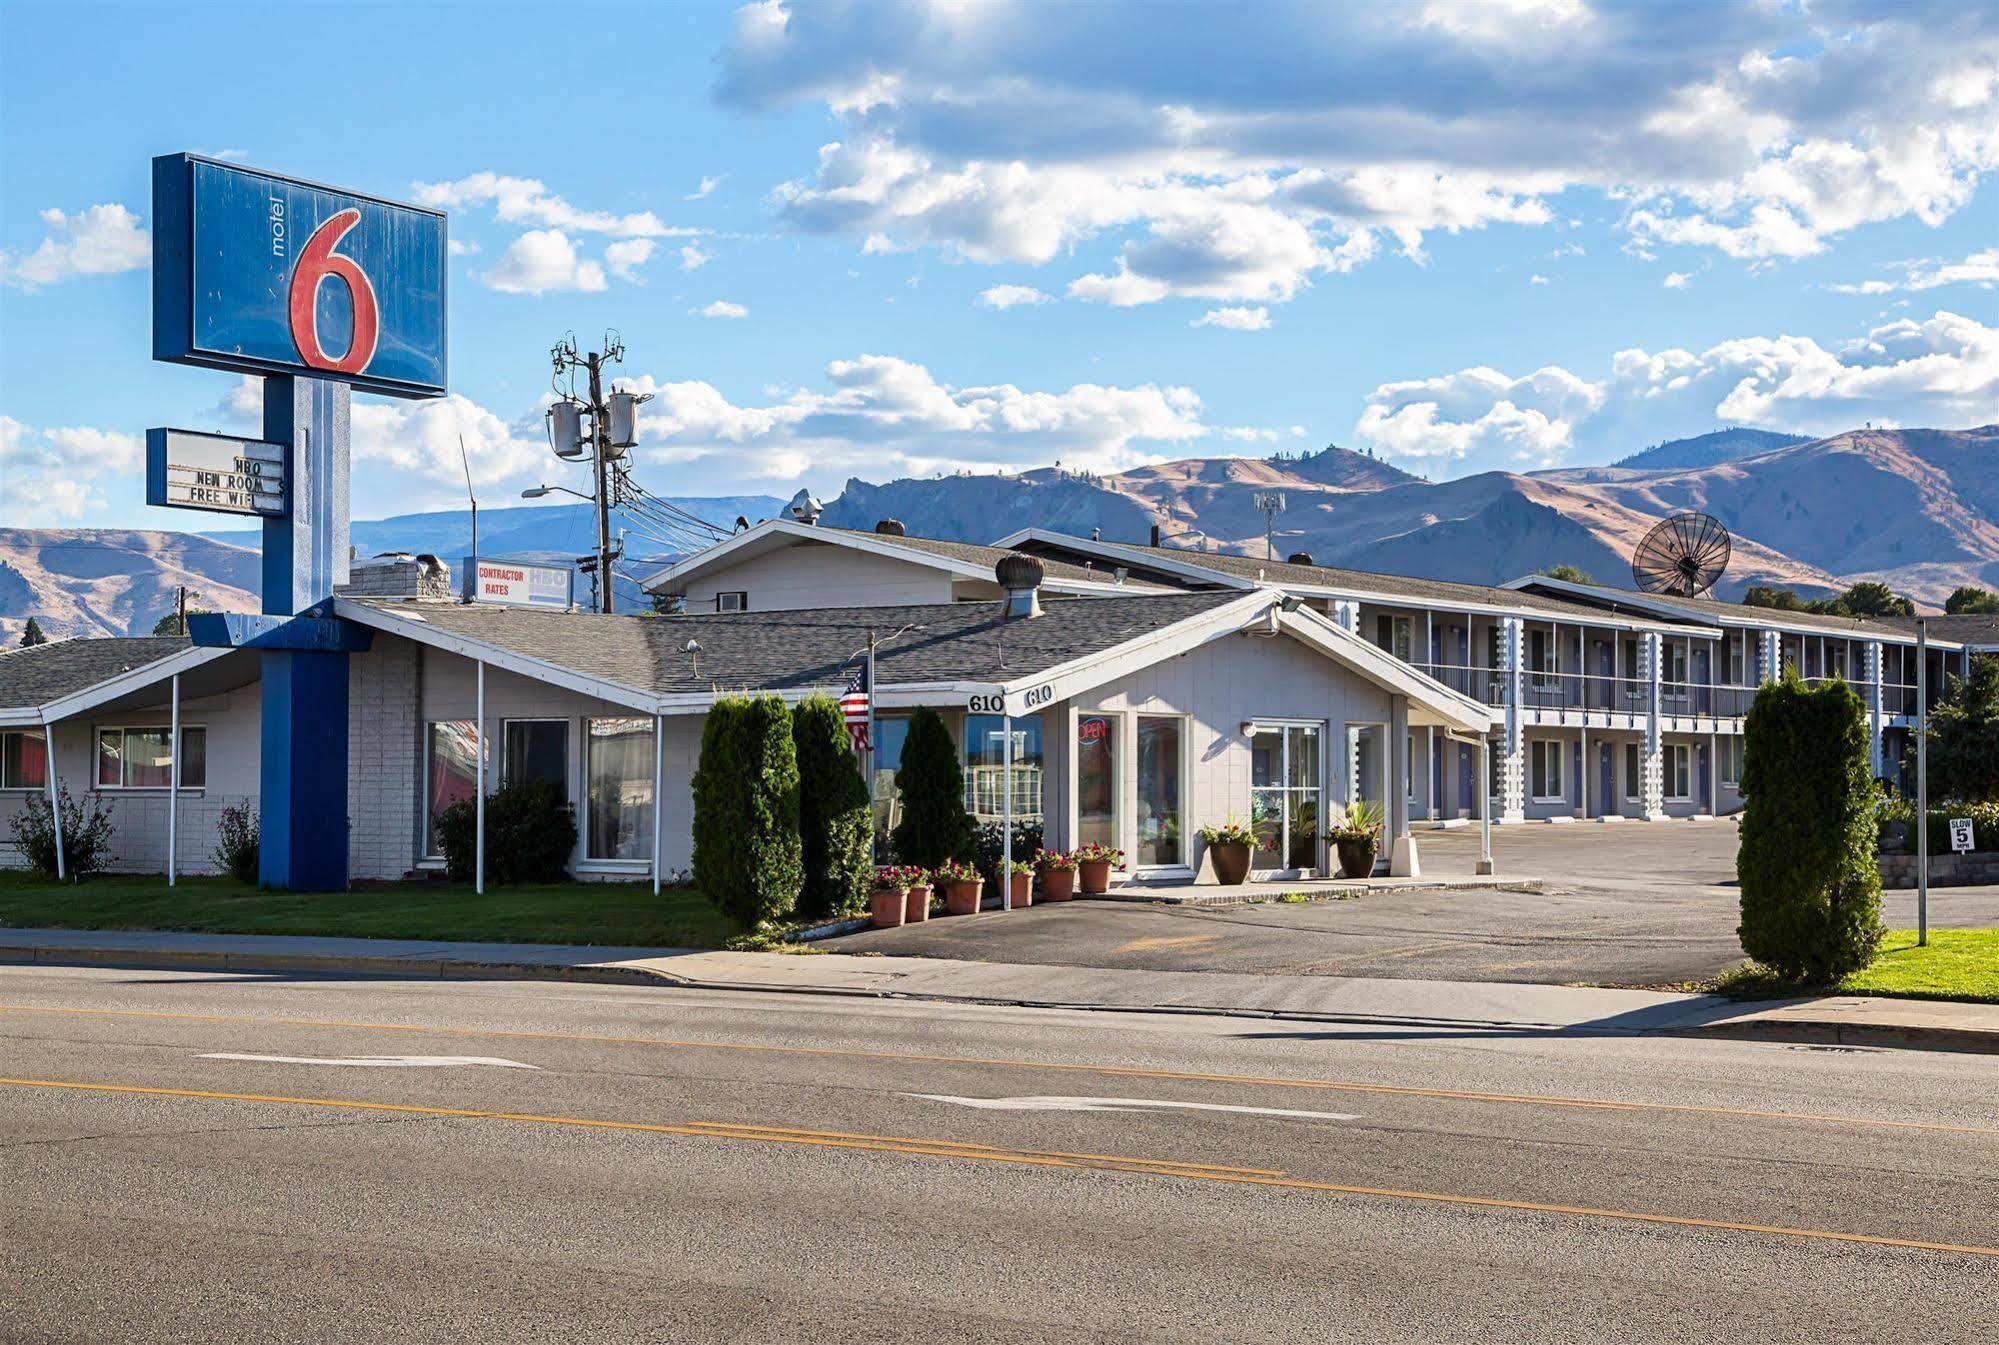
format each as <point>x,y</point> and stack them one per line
<point>1595,691</point>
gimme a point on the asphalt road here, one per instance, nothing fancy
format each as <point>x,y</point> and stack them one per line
<point>1631,904</point>
<point>698,1167</point>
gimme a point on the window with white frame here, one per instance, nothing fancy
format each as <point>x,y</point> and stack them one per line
<point>1541,656</point>
<point>1730,757</point>
<point>24,760</point>
<point>736,601</point>
<point>1737,659</point>
<point>1679,772</point>
<point>618,770</point>
<point>1634,772</point>
<point>143,758</point>
<point>1544,764</point>
<point>1394,633</point>
<point>1674,657</point>
<point>450,773</point>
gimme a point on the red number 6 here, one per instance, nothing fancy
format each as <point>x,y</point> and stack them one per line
<point>316,261</point>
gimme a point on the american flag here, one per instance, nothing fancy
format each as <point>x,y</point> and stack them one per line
<point>854,706</point>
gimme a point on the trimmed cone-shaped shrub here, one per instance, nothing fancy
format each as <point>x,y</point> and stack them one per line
<point>935,826</point>
<point>836,825</point>
<point>1811,894</point>
<point>746,851</point>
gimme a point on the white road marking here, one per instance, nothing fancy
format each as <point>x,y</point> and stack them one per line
<point>375,1061</point>
<point>1127,1104</point>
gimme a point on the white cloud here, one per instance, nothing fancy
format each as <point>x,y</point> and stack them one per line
<point>524,200</point>
<point>692,258</point>
<point>101,240</point>
<point>1942,372</point>
<point>966,129</point>
<point>722,308</point>
<point>1537,279</point>
<point>1678,280</point>
<point>706,189</point>
<point>54,475</point>
<point>625,256</point>
<point>1980,269</point>
<point>421,439</point>
<point>458,247</point>
<point>1238,319</point>
<point>541,260</point>
<point>1013,296</point>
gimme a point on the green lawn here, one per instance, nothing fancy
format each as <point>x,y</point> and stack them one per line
<point>580,913</point>
<point>1957,964</point>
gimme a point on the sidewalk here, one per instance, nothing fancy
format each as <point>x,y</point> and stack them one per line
<point>1413,1006</point>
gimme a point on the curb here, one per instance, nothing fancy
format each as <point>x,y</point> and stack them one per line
<point>1827,1032</point>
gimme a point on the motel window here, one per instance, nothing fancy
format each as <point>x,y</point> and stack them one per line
<point>1162,841</point>
<point>450,774</point>
<point>1633,771</point>
<point>23,761</point>
<point>985,768</point>
<point>1393,633</point>
<point>1096,779</point>
<point>1539,654</point>
<point>1545,765</point>
<point>536,749</point>
<point>1675,659</point>
<point>889,737</point>
<point>619,770</point>
<point>1731,761</point>
<point>737,601</point>
<point>1737,656</point>
<point>142,758</point>
<point>1679,771</point>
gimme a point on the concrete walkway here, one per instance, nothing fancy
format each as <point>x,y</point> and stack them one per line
<point>1455,1006</point>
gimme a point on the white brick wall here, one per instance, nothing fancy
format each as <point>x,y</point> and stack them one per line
<point>384,746</point>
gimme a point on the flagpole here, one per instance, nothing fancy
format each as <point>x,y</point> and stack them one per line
<point>869,758</point>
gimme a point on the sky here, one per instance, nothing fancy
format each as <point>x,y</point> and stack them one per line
<point>902,238</point>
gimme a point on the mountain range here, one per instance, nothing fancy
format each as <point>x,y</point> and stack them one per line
<point>1916,508</point>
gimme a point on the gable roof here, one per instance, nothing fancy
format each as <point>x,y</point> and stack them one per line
<point>962,560</point>
<point>1974,630</point>
<point>65,677</point>
<point>1324,580</point>
<point>1715,612</point>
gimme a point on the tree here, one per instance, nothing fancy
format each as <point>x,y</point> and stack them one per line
<point>1965,601</point>
<point>1964,736</point>
<point>1571,574</point>
<point>32,634</point>
<point>1811,892</point>
<point>1868,598</point>
<point>170,624</point>
<point>935,826</point>
<point>835,820</point>
<point>1768,595</point>
<point>746,847</point>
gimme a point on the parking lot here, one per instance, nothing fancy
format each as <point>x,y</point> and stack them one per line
<point>1621,904</point>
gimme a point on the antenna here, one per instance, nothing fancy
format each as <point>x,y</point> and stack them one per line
<point>1682,555</point>
<point>466,463</point>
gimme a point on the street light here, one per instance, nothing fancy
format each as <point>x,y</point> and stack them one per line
<point>536,492</point>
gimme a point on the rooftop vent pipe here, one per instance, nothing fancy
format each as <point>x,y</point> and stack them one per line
<point>889,527</point>
<point>805,508</point>
<point>1020,580</point>
<point>1298,558</point>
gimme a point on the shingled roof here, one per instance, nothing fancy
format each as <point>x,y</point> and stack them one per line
<point>795,650</point>
<point>48,672</point>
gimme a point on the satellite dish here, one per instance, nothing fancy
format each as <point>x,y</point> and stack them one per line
<point>1683,555</point>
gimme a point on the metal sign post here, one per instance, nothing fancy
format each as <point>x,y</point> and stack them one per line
<point>319,291</point>
<point>1922,783</point>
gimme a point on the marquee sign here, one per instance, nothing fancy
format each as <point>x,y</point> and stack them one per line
<point>217,472</point>
<point>272,275</point>
<point>518,583</point>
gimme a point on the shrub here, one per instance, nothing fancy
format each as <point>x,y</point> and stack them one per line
<point>1230,832</point>
<point>746,848</point>
<point>935,825</point>
<point>988,846</point>
<point>952,872</point>
<point>1055,861</point>
<point>238,837</point>
<point>1811,894</point>
<point>1984,823</point>
<point>530,834</point>
<point>1964,735</point>
<point>1095,852</point>
<point>86,834</point>
<point>836,823</point>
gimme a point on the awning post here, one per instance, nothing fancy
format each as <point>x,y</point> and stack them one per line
<point>479,794</point>
<point>173,782</point>
<point>55,799</point>
<point>658,781</point>
<point>1006,811</point>
<point>1485,813</point>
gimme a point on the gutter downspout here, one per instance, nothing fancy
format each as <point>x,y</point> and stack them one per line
<point>479,812</point>
<point>173,785</point>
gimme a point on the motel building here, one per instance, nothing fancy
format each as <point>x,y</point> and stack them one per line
<point>1108,710</point>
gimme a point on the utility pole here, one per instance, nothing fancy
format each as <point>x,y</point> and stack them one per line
<point>597,417</point>
<point>612,432</point>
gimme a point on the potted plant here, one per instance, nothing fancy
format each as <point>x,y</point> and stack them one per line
<point>1094,862</point>
<point>1020,877</point>
<point>1058,875</point>
<point>887,896</point>
<point>916,902</point>
<point>1229,845</point>
<point>962,887</point>
<point>1357,838</point>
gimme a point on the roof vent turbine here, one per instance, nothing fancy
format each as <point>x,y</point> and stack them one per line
<point>1020,580</point>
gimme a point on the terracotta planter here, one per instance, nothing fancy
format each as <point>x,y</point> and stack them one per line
<point>1096,876</point>
<point>1356,858</point>
<point>1058,884</point>
<point>1231,863</point>
<point>916,906</point>
<point>1023,891</point>
<point>885,907</point>
<point>963,898</point>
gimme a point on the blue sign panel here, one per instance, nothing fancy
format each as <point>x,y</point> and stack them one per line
<point>270,275</point>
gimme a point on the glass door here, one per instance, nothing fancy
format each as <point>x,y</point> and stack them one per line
<point>1285,796</point>
<point>1161,839</point>
<point>1096,780</point>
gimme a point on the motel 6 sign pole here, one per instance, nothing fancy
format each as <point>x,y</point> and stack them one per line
<point>319,291</point>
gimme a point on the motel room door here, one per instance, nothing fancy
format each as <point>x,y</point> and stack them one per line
<point>1606,781</point>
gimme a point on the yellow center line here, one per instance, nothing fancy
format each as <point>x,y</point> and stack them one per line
<point>1056,1066</point>
<point>937,1148</point>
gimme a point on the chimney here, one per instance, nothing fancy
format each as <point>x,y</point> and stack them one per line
<point>398,574</point>
<point>1155,534</point>
<point>889,527</point>
<point>1298,558</point>
<point>1020,580</point>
